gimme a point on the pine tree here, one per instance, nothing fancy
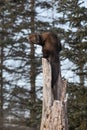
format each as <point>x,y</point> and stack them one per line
<point>22,64</point>
<point>73,16</point>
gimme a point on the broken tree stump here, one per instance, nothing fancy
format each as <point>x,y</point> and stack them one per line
<point>54,112</point>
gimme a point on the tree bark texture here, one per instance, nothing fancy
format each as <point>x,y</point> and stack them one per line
<point>54,112</point>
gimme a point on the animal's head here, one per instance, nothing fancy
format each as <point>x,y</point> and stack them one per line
<point>34,39</point>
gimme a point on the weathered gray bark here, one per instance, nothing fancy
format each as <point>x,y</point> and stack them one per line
<point>54,112</point>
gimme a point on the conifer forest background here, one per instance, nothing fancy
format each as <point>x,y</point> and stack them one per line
<point>21,79</point>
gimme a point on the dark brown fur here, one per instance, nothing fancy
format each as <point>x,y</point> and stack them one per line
<point>51,47</point>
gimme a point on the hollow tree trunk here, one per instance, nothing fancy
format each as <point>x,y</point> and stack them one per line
<point>54,112</point>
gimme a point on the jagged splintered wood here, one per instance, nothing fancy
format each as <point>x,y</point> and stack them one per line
<point>54,112</point>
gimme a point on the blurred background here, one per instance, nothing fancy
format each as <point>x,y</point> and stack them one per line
<point>21,78</point>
